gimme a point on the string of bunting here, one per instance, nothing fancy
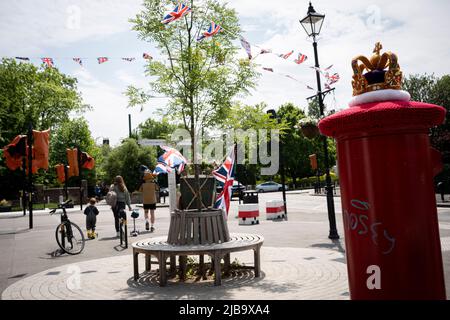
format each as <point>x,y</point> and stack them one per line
<point>182,10</point>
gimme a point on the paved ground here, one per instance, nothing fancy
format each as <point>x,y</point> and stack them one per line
<point>298,260</point>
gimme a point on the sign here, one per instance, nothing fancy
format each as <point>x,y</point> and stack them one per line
<point>152,142</point>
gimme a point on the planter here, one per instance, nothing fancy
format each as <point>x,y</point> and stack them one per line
<point>310,131</point>
<point>5,208</point>
<point>198,228</point>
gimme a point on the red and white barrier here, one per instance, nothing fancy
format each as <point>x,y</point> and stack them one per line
<point>248,214</point>
<point>275,210</point>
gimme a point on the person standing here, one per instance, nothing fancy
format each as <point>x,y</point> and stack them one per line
<point>123,200</point>
<point>149,188</point>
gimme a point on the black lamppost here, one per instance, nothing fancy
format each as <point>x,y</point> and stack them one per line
<point>273,115</point>
<point>312,24</point>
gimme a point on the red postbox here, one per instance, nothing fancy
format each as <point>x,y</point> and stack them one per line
<point>386,168</point>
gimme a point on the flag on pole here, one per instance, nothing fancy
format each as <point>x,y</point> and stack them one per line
<point>225,176</point>
<point>48,62</point>
<point>78,60</point>
<point>129,59</point>
<point>212,31</point>
<point>102,60</point>
<point>301,58</point>
<point>179,12</point>
<point>160,169</point>
<point>287,55</point>
<point>172,159</point>
<point>248,48</point>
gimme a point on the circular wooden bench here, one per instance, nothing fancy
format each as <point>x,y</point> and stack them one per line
<point>159,248</point>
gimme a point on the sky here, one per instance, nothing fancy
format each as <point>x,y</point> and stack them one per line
<point>417,31</point>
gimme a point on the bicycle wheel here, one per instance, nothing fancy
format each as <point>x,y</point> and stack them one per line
<point>70,238</point>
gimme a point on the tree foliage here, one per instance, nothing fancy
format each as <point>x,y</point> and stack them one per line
<point>43,97</point>
<point>125,161</point>
<point>431,89</point>
<point>201,78</point>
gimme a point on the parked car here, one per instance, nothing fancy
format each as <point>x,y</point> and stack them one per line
<point>270,186</point>
<point>237,190</point>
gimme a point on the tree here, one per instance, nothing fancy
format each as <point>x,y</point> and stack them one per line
<point>152,129</point>
<point>200,77</point>
<point>126,159</point>
<point>247,117</point>
<point>74,134</point>
<point>43,97</point>
<point>430,89</point>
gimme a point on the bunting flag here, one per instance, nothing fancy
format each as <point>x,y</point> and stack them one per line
<point>23,58</point>
<point>212,31</point>
<point>287,55</point>
<point>268,69</point>
<point>102,60</point>
<point>327,86</point>
<point>310,88</point>
<point>48,62</point>
<point>78,60</point>
<point>129,59</point>
<point>179,12</point>
<point>248,48</point>
<point>328,68</point>
<point>332,78</point>
<point>265,51</point>
<point>146,56</point>
<point>301,58</point>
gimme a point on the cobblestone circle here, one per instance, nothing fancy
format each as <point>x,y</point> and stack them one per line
<point>287,274</point>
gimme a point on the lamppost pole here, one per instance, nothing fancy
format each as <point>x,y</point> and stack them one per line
<point>312,24</point>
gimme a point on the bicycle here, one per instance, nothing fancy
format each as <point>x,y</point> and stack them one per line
<point>68,235</point>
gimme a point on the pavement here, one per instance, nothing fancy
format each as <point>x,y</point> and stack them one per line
<point>298,261</point>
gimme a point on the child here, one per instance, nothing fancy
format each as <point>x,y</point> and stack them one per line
<point>91,213</point>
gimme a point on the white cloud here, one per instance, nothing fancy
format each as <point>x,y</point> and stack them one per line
<point>31,26</point>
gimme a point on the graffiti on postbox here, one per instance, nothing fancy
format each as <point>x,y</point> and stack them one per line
<point>363,226</point>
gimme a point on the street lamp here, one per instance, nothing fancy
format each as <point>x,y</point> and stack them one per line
<point>273,115</point>
<point>312,24</point>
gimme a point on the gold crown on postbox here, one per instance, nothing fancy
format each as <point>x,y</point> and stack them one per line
<point>378,78</point>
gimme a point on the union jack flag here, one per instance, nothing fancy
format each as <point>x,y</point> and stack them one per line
<point>78,60</point>
<point>287,55</point>
<point>172,159</point>
<point>179,12</point>
<point>102,60</point>
<point>332,78</point>
<point>160,169</point>
<point>301,58</point>
<point>225,175</point>
<point>212,30</point>
<point>48,62</point>
<point>129,59</point>
<point>146,56</point>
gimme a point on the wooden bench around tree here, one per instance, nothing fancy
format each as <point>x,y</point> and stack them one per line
<point>162,250</point>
